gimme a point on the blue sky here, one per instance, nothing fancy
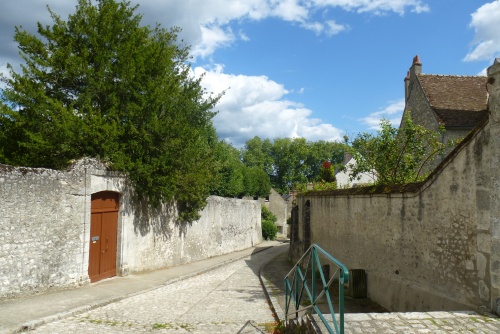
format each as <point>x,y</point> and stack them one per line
<point>317,69</point>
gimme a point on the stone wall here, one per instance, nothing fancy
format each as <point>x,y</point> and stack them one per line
<point>428,246</point>
<point>491,237</point>
<point>41,229</point>
<point>45,228</point>
<point>226,225</point>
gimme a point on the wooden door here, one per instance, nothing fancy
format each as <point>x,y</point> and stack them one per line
<point>103,235</point>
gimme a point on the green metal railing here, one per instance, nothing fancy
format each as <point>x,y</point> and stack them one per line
<point>296,283</point>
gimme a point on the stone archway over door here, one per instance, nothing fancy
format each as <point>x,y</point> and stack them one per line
<point>103,235</point>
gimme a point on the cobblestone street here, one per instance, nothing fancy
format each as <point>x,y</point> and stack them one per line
<point>230,299</point>
<point>227,300</point>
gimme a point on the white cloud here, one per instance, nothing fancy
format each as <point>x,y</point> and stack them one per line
<point>290,10</point>
<point>206,24</point>
<point>393,113</point>
<point>334,28</point>
<point>5,73</point>
<point>212,39</point>
<point>256,106</point>
<point>377,7</point>
<point>486,23</point>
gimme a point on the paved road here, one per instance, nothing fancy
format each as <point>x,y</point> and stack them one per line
<point>229,299</point>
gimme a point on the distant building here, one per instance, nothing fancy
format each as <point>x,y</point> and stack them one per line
<point>281,208</point>
<point>342,177</point>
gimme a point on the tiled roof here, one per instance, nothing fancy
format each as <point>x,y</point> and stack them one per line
<point>460,118</point>
<point>459,101</point>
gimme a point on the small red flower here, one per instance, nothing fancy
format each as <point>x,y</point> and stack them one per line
<point>326,165</point>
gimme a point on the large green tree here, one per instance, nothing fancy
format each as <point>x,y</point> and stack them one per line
<point>230,177</point>
<point>235,179</point>
<point>100,84</point>
<point>257,153</point>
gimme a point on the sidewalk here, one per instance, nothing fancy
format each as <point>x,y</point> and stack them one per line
<point>32,311</point>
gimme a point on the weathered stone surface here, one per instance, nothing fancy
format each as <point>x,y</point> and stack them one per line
<point>45,228</point>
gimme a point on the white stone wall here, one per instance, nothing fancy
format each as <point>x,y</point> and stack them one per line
<point>41,229</point>
<point>226,225</point>
<point>45,228</point>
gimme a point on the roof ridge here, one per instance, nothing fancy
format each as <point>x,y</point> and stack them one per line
<point>453,75</point>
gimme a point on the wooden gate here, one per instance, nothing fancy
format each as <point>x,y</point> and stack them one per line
<point>103,235</point>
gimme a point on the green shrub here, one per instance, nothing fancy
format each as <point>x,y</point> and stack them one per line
<point>269,228</point>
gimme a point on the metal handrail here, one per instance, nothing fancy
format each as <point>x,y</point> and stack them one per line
<point>296,284</point>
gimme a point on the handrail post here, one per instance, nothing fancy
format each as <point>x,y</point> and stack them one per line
<point>297,302</point>
<point>313,272</point>
<point>286,300</point>
<point>341,300</point>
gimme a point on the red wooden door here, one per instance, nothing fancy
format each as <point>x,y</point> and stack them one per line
<point>103,235</point>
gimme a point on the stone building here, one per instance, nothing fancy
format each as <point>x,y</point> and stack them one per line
<point>343,176</point>
<point>457,103</point>
<point>279,206</point>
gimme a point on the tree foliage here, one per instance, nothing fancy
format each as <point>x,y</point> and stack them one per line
<point>397,155</point>
<point>327,172</point>
<point>269,228</point>
<point>290,162</point>
<point>234,179</point>
<point>99,84</point>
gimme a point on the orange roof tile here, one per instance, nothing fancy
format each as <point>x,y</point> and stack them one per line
<point>460,101</point>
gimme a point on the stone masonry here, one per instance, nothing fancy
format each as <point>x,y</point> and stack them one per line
<point>45,228</point>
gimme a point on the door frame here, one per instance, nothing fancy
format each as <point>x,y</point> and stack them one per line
<point>117,229</point>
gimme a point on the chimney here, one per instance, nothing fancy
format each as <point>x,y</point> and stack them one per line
<point>415,69</point>
<point>407,83</point>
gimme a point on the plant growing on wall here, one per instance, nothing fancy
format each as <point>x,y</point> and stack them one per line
<point>99,84</point>
<point>397,155</point>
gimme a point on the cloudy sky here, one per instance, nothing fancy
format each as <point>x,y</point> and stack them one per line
<point>317,69</point>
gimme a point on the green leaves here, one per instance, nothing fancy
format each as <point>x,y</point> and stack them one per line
<point>268,221</point>
<point>99,84</point>
<point>290,162</point>
<point>234,179</point>
<point>397,156</point>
